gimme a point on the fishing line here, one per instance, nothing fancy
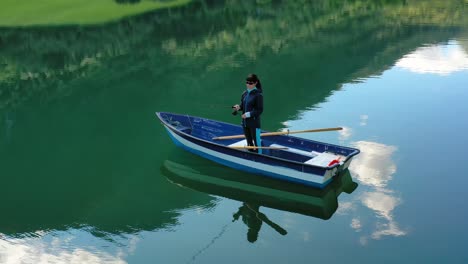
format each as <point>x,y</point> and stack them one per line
<point>223,230</point>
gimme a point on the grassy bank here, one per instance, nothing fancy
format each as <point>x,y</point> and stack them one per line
<point>65,12</point>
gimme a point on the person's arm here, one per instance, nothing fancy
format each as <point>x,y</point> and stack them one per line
<point>241,105</point>
<point>258,110</point>
<point>237,214</point>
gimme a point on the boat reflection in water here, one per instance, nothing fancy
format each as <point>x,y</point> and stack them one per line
<point>254,191</point>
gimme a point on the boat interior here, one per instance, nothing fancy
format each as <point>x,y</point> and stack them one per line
<point>281,146</point>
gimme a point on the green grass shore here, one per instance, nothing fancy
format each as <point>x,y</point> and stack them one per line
<point>14,13</point>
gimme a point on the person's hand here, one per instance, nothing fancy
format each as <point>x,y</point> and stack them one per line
<point>235,217</point>
<point>244,116</point>
<point>235,109</point>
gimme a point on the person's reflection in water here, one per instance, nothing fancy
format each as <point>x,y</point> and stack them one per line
<point>252,217</point>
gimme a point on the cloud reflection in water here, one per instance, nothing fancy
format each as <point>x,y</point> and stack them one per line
<point>58,250</point>
<point>436,59</point>
<point>374,168</point>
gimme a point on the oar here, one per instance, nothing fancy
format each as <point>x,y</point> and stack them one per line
<point>254,147</point>
<point>272,224</point>
<point>283,133</point>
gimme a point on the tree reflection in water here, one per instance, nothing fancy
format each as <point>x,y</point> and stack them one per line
<point>127,1</point>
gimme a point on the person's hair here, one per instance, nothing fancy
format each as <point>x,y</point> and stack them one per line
<point>252,235</point>
<point>254,78</point>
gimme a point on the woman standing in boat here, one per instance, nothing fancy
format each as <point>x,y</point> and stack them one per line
<point>252,107</point>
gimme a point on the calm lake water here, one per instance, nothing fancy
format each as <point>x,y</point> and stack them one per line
<point>89,175</point>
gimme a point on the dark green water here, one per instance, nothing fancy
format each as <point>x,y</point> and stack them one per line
<point>88,174</point>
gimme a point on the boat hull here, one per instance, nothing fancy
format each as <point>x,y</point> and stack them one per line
<point>320,179</point>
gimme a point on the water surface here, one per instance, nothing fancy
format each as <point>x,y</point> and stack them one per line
<point>89,175</point>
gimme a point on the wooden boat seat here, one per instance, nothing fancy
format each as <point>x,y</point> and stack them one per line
<point>241,143</point>
<point>297,151</point>
<point>322,159</point>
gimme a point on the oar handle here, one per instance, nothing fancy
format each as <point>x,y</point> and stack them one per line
<point>300,131</point>
<point>283,133</point>
<point>229,137</point>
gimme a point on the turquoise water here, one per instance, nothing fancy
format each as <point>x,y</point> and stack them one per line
<point>89,175</point>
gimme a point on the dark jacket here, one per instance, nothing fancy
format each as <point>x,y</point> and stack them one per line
<point>252,102</point>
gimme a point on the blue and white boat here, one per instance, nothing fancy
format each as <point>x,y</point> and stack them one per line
<point>283,157</point>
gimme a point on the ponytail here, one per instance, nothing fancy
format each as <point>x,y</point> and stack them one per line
<point>259,86</point>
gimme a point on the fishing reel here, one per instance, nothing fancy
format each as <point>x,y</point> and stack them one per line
<point>234,111</point>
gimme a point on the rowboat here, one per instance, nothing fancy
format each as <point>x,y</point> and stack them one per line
<point>283,156</point>
<point>262,192</point>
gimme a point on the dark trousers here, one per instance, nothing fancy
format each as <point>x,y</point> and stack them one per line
<point>250,136</point>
